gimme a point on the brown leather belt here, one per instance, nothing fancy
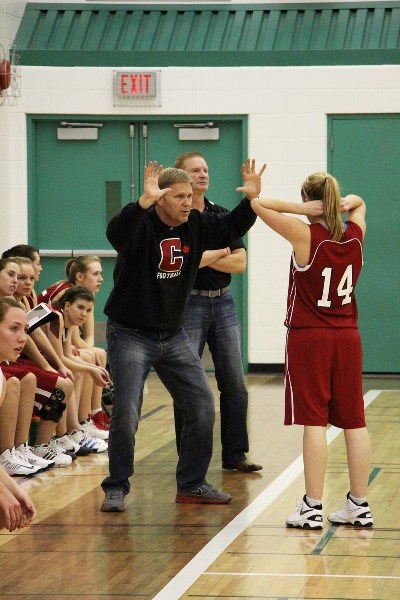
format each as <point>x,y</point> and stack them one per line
<point>210,293</point>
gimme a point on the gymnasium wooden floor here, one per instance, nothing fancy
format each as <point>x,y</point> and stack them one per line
<point>159,549</point>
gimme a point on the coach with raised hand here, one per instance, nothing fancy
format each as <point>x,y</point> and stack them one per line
<point>160,242</point>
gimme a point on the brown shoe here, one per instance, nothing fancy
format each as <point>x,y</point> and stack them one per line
<point>243,465</point>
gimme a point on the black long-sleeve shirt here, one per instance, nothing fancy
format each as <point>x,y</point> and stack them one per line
<point>157,265</point>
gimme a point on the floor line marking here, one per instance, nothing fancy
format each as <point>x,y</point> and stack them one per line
<point>214,548</point>
<point>152,412</point>
<point>344,576</point>
<point>323,542</point>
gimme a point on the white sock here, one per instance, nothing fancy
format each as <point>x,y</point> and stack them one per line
<point>357,500</point>
<point>312,502</point>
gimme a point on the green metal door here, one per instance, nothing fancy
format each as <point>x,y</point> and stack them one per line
<point>223,157</point>
<point>364,155</point>
<point>76,185</point>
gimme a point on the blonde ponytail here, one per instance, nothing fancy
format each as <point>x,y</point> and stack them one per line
<point>332,214</point>
<point>323,186</point>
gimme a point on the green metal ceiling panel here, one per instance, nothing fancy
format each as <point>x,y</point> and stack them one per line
<point>209,35</point>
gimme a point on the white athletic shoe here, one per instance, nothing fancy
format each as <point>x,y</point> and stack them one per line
<point>67,444</point>
<point>37,461</point>
<point>306,517</point>
<point>90,429</point>
<point>14,463</point>
<point>353,514</point>
<point>53,451</point>
<point>87,441</point>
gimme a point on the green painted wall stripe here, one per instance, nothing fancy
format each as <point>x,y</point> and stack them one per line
<point>99,58</point>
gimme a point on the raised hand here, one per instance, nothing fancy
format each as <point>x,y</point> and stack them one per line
<point>312,208</point>
<point>251,179</point>
<point>151,191</point>
<point>350,202</point>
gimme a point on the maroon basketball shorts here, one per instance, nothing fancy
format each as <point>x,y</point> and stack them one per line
<point>323,378</point>
<point>46,381</point>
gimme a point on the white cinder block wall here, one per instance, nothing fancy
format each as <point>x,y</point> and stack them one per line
<point>287,110</point>
<point>11,12</point>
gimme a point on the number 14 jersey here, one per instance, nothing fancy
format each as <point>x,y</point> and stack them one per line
<point>321,294</point>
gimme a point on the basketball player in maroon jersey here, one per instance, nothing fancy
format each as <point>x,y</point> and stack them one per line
<point>323,366</point>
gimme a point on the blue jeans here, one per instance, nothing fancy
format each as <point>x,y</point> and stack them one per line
<point>214,321</point>
<point>132,353</point>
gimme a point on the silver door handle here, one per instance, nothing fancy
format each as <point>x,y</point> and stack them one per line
<point>76,252</point>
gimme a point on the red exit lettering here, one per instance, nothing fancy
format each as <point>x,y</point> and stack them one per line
<point>132,84</point>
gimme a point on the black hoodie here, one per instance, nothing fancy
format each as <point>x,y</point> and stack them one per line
<point>157,265</point>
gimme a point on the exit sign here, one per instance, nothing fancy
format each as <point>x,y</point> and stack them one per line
<point>136,87</point>
<point>135,83</point>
